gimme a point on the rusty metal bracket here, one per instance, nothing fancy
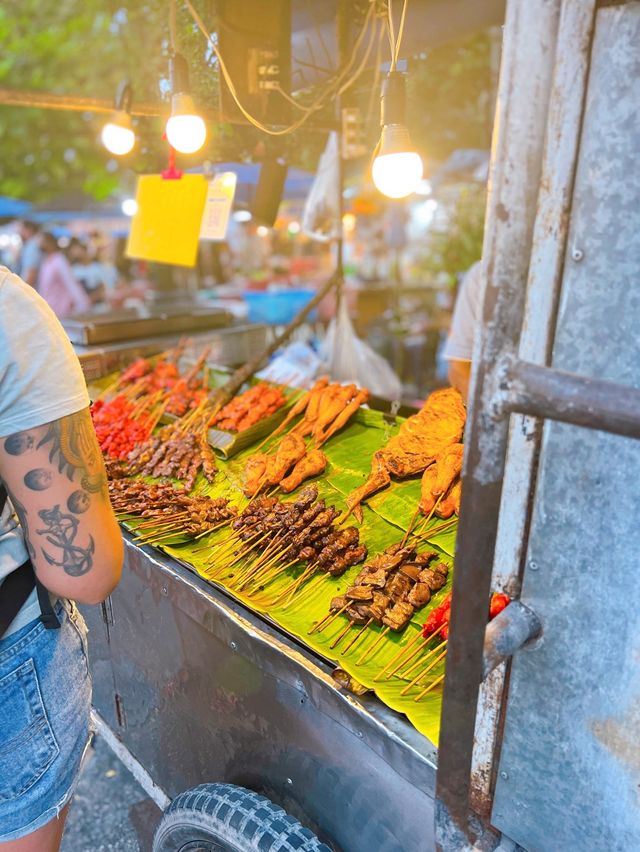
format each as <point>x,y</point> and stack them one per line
<point>509,631</point>
<point>538,391</point>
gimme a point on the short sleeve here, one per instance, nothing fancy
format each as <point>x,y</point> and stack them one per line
<point>40,375</point>
<point>467,316</point>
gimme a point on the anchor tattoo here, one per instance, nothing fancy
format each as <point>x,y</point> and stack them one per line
<point>61,530</point>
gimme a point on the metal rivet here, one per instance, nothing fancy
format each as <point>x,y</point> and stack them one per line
<point>504,775</point>
<point>165,591</point>
<point>577,255</point>
<point>289,781</point>
<point>360,734</point>
<point>233,646</point>
<point>533,565</point>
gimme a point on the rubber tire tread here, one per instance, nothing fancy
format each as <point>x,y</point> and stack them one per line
<point>240,818</point>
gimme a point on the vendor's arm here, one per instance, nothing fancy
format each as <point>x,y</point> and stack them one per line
<point>459,373</point>
<point>56,480</point>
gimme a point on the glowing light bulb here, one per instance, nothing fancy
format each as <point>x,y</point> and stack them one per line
<point>117,134</point>
<point>186,130</point>
<point>397,175</point>
<point>129,207</point>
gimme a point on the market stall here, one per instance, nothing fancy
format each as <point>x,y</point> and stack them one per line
<point>283,539</point>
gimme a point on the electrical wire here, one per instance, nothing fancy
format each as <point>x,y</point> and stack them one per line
<point>336,85</point>
<point>400,32</point>
<point>172,25</point>
<point>395,41</point>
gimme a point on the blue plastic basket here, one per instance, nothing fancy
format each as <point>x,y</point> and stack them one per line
<point>278,308</point>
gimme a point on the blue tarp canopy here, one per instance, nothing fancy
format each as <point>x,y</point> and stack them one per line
<point>13,208</point>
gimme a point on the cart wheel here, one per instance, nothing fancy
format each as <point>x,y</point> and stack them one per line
<point>226,818</point>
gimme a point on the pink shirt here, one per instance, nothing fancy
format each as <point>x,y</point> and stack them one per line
<point>58,287</point>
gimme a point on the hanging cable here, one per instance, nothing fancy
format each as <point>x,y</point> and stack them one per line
<point>320,101</point>
<point>400,31</point>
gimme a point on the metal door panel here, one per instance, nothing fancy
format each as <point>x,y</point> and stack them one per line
<point>569,772</point>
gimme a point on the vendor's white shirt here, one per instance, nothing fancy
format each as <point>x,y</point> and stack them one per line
<point>467,316</point>
<point>40,381</point>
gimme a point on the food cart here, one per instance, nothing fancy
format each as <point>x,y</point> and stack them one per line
<point>537,744</point>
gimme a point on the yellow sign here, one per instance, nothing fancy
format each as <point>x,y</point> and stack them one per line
<point>217,207</point>
<point>166,227</point>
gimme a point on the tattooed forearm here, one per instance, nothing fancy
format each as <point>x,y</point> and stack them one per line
<point>21,514</point>
<point>61,530</point>
<point>73,448</point>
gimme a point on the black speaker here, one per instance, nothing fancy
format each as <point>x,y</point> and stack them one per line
<point>254,40</point>
<point>268,194</point>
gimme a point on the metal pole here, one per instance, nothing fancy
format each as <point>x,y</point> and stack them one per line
<point>529,40</point>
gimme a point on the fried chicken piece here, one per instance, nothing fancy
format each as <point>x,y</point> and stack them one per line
<point>450,501</point>
<point>427,500</point>
<point>254,473</point>
<point>343,418</point>
<point>311,464</point>
<point>331,405</point>
<point>290,450</point>
<point>378,478</point>
<point>448,467</point>
<point>409,570</point>
<point>321,389</point>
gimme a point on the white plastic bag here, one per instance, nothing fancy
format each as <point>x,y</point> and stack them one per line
<point>321,216</point>
<point>346,358</point>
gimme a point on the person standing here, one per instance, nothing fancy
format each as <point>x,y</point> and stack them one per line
<point>31,255</point>
<point>57,284</point>
<point>59,542</point>
<point>465,326</point>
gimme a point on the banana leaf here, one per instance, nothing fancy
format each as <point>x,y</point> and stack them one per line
<point>386,517</point>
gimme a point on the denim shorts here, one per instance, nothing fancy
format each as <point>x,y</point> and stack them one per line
<point>45,702</point>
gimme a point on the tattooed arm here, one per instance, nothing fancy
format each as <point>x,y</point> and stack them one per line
<point>57,484</point>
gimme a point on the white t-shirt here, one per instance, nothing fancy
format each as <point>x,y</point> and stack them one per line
<point>467,316</point>
<point>40,381</point>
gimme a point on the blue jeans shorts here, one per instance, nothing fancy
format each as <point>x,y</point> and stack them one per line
<point>45,702</point>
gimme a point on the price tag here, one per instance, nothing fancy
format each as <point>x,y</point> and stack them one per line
<point>217,206</point>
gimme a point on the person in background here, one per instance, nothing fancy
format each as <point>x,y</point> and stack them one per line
<point>55,520</point>
<point>57,284</point>
<point>30,255</point>
<point>465,324</point>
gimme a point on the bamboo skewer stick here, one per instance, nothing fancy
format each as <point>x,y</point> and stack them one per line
<point>295,585</point>
<point>404,662</point>
<point>369,651</point>
<point>358,635</point>
<point>424,672</point>
<point>327,620</point>
<point>431,686</point>
<point>341,635</point>
<point>399,655</point>
<point>427,656</point>
<point>263,583</point>
<point>410,527</point>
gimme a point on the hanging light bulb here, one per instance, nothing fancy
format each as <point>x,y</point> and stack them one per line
<point>397,167</point>
<point>118,136</point>
<point>186,130</point>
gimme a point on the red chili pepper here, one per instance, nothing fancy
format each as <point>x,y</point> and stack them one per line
<point>498,602</point>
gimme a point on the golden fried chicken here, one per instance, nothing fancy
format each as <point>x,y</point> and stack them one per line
<point>312,464</point>
<point>449,466</point>
<point>290,450</point>
<point>450,503</point>
<point>254,473</point>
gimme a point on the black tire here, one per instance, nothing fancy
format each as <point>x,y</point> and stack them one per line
<point>227,818</point>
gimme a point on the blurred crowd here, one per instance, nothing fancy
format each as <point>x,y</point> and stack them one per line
<point>73,275</point>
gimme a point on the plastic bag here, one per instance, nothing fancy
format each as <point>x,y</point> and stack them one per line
<point>296,365</point>
<point>347,359</point>
<point>321,216</point>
